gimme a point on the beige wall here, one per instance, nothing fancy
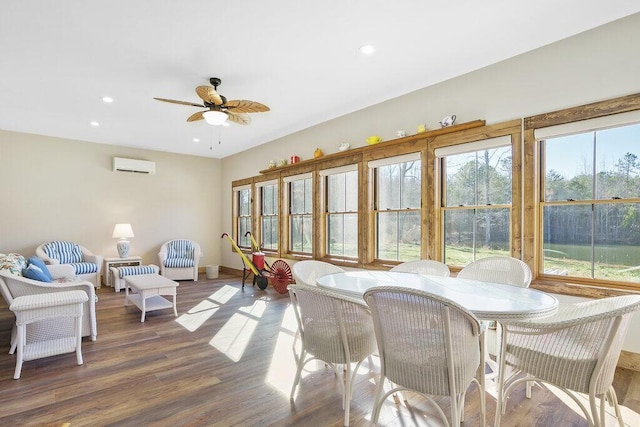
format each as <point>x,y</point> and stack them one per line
<point>593,66</point>
<point>56,188</point>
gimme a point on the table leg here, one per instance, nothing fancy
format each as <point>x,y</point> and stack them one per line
<point>175,309</point>
<point>144,306</point>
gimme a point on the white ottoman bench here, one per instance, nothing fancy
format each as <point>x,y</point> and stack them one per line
<point>119,273</point>
<point>40,307</point>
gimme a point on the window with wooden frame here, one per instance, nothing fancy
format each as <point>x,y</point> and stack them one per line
<point>397,201</point>
<point>547,192</point>
<point>589,199</point>
<point>268,215</point>
<point>340,211</point>
<point>476,199</point>
<point>299,191</point>
<point>243,217</point>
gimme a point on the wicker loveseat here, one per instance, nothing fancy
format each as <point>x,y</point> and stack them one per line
<point>86,265</point>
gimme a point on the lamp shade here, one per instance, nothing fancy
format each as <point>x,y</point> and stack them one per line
<point>122,231</point>
<point>215,118</point>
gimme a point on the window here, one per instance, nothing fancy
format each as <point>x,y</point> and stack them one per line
<point>268,215</point>
<point>341,211</point>
<point>243,217</point>
<point>476,199</point>
<point>590,199</point>
<point>300,208</point>
<point>397,202</point>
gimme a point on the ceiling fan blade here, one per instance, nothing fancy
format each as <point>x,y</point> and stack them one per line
<point>173,101</point>
<point>245,106</point>
<point>196,116</point>
<point>241,119</point>
<point>209,94</point>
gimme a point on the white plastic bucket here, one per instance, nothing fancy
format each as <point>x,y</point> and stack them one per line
<point>212,271</point>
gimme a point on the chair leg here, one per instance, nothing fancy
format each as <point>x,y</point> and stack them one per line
<point>296,380</point>
<point>377,403</point>
<point>78,331</point>
<point>20,341</point>
<point>346,398</point>
<point>613,399</point>
<point>14,339</point>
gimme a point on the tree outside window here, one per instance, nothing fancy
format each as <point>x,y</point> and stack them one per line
<point>591,204</point>
<point>342,214</point>
<point>477,205</point>
<point>397,211</point>
<point>301,216</point>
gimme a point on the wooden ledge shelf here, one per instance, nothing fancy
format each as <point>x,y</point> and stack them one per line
<point>404,140</point>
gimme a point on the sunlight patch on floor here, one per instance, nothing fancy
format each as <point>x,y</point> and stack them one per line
<point>282,369</point>
<point>629,416</point>
<point>256,310</point>
<point>233,337</point>
<point>194,318</point>
<point>224,294</point>
<point>289,321</point>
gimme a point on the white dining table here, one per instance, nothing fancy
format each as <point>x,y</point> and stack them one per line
<point>487,301</point>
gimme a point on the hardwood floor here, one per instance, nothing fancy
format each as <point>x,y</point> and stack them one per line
<point>226,360</point>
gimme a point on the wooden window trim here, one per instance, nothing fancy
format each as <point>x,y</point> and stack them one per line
<point>532,182</point>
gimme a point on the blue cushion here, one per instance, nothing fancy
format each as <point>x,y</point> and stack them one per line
<point>40,264</point>
<point>34,272</point>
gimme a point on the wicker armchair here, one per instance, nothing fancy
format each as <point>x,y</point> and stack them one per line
<point>335,329</point>
<point>427,344</point>
<point>576,350</point>
<point>87,266</point>
<point>424,266</point>
<point>306,272</point>
<point>13,286</point>
<point>179,259</point>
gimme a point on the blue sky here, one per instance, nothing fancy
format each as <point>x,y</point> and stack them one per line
<point>572,155</point>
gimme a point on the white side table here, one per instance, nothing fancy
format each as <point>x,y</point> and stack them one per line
<point>118,262</point>
<point>39,307</point>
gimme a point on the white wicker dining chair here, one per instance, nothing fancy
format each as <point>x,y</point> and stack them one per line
<point>498,269</point>
<point>576,350</point>
<point>307,272</point>
<point>424,266</point>
<point>334,329</point>
<point>427,344</point>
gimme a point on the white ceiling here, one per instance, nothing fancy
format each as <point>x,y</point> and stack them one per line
<point>301,58</point>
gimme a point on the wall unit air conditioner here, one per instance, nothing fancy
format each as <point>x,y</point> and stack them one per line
<point>121,164</point>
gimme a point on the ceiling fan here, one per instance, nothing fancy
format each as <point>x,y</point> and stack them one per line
<point>219,109</point>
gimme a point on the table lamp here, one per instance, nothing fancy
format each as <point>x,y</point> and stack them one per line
<point>122,232</point>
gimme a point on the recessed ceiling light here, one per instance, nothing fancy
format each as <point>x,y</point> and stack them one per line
<point>107,99</point>
<point>196,139</point>
<point>367,49</point>
<point>94,124</point>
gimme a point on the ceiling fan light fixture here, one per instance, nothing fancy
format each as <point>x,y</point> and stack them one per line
<point>215,118</point>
